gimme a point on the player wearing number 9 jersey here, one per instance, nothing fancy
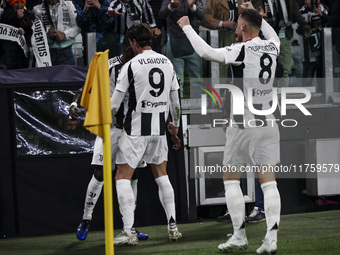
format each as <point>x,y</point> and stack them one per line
<point>254,62</point>
<point>149,78</point>
<point>151,82</point>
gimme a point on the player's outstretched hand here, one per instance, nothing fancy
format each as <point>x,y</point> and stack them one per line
<point>176,142</point>
<point>247,5</point>
<point>73,113</point>
<point>184,21</point>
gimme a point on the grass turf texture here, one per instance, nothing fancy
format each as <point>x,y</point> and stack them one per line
<point>308,233</point>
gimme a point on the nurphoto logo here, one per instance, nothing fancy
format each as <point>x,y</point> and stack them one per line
<point>238,102</point>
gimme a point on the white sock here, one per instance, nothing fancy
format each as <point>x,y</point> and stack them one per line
<point>272,207</point>
<point>236,207</point>
<point>92,194</point>
<point>167,198</point>
<point>126,201</point>
<point>134,189</point>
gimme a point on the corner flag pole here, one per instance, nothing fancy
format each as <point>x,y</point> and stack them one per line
<point>96,100</point>
<point>107,176</point>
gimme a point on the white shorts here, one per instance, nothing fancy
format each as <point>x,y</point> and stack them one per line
<point>145,149</point>
<point>97,158</point>
<point>252,146</point>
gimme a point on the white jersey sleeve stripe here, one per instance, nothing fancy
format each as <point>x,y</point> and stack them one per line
<point>201,47</point>
<point>270,34</point>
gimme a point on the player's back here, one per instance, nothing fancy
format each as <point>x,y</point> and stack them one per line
<point>254,72</point>
<point>151,78</point>
<point>256,64</point>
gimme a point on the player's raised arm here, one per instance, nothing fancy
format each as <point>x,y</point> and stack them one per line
<point>270,34</point>
<point>201,47</point>
<point>267,30</point>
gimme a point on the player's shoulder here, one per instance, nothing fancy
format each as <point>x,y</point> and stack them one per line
<point>147,53</point>
<point>261,45</point>
<point>116,60</point>
<point>234,46</point>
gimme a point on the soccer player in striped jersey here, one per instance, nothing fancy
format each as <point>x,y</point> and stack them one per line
<point>96,183</point>
<point>251,139</point>
<point>152,84</point>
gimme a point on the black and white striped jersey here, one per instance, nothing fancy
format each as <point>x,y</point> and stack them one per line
<point>253,69</point>
<point>134,11</point>
<point>311,45</point>
<point>311,17</point>
<point>149,78</point>
<point>115,64</point>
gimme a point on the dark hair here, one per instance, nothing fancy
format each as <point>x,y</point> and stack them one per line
<point>252,17</point>
<point>126,42</point>
<point>141,33</point>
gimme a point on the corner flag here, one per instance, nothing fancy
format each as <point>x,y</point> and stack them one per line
<point>96,100</point>
<point>96,94</point>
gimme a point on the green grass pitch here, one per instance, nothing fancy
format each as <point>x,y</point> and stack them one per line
<point>308,233</point>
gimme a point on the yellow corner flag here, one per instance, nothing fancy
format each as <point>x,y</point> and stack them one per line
<point>96,100</point>
<point>96,94</point>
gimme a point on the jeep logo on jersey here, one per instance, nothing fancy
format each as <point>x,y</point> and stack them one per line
<point>146,103</point>
<point>238,99</point>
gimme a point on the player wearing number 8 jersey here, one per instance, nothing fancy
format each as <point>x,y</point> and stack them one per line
<point>152,84</point>
<point>253,60</point>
